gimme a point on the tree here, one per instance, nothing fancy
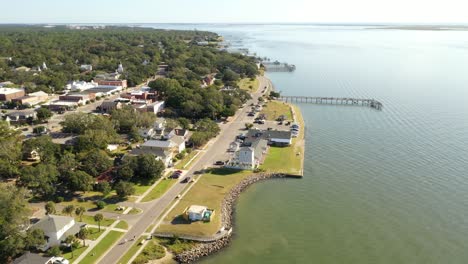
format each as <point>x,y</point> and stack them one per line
<point>208,126</point>
<point>47,150</point>
<point>96,162</point>
<point>184,122</point>
<point>10,150</point>
<point>79,212</point>
<point>98,218</point>
<point>41,179</point>
<point>72,243</point>
<point>43,114</point>
<point>124,189</point>
<point>199,139</point>
<point>248,126</point>
<point>50,207</point>
<point>148,169</point>
<point>68,209</point>
<point>67,164</point>
<point>80,181</point>
<point>83,235</point>
<point>54,251</point>
<point>34,238</point>
<point>104,188</point>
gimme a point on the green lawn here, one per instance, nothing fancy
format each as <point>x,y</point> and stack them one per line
<point>122,225</point>
<point>131,252</point>
<point>89,219</point>
<point>76,253</point>
<point>152,251</point>
<point>94,233</point>
<point>101,247</point>
<point>274,109</point>
<point>247,84</point>
<point>209,191</point>
<point>287,159</point>
<point>141,189</point>
<point>176,246</point>
<point>159,189</point>
<point>182,164</point>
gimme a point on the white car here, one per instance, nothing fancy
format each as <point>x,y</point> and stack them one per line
<point>59,260</point>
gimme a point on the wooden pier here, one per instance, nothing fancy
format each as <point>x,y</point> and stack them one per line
<point>372,103</point>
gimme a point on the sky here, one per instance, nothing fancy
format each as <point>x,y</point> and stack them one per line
<point>234,11</point>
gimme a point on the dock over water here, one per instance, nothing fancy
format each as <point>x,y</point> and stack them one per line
<point>372,103</point>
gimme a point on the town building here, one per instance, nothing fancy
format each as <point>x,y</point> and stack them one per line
<point>104,90</point>
<point>107,76</point>
<point>56,228</point>
<point>109,106</point>
<point>80,85</point>
<point>249,158</point>
<point>155,107</point>
<point>113,82</point>
<point>22,116</point>
<point>80,98</point>
<point>8,94</point>
<point>32,98</point>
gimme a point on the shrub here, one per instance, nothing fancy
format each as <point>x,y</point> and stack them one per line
<point>59,199</point>
<point>100,204</point>
<point>180,156</point>
<point>54,251</point>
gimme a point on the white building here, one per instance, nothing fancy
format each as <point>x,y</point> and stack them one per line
<point>248,158</point>
<point>80,85</point>
<point>196,212</point>
<point>86,67</point>
<point>155,107</point>
<point>120,69</point>
<point>56,229</point>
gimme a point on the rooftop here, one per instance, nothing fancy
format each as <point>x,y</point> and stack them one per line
<point>198,209</point>
<point>10,90</point>
<point>158,144</point>
<point>53,223</point>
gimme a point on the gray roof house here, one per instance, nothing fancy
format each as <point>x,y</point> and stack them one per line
<point>274,137</point>
<point>56,228</point>
<point>32,258</point>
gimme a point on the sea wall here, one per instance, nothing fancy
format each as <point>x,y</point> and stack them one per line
<point>227,218</point>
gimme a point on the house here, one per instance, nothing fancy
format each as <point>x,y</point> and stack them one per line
<point>249,158</point>
<point>155,107</point>
<point>160,154</point>
<point>198,213</point>
<point>22,116</point>
<point>33,258</point>
<point>109,106</point>
<point>107,76</point>
<point>33,155</point>
<point>56,228</point>
<point>23,69</point>
<point>32,98</point>
<point>8,94</point>
<point>146,133</point>
<point>159,127</point>
<point>86,67</point>
<point>178,143</point>
<point>207,81</point>
<point>113,82</point>
<point>274,137</point>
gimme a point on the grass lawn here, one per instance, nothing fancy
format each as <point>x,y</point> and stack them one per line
<point>246,83</point>
<point>76,253</point>
<point>129,254</point>
<point>182,164</point>
<point>209,191</point>
<point>101,247</point>
<point>94,233</point>
<point>276,108</point>
<point>122,225</point>
<point>89,219</point>
<point>152,251</point>
<point>140,189</point>
<point>159,189</point>
<point>287,159</point>
<point>176,246</point>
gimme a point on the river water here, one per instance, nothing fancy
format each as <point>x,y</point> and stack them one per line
<point>385,186</point>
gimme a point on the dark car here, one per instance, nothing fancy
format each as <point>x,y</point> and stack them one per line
<point>186,179</point>
<point>219,162</point>
<point>251,114</point>
<point>175,175</point>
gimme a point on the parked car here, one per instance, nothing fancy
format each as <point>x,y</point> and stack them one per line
<point>220,162</point>
<point>251,114</point>
<point>186,179</point>
<point>288,123</point>
<point>175,175</point>
<point>261,121</point>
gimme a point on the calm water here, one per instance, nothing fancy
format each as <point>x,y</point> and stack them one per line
<point>379,187</point>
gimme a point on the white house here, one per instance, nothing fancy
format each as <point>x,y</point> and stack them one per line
<point>80,85</point>
<point>56,228</point>
<point>196,212</point>
<point>155,107</point>
<point>86,67</point>
<point>248,158</point>
<point>146,132</point>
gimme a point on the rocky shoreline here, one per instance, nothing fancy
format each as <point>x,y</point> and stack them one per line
<point>227,217</point>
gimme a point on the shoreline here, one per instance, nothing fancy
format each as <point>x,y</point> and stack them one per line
<point>227,213</point>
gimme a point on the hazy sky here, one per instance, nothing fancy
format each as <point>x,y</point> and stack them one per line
<point>237,11</point>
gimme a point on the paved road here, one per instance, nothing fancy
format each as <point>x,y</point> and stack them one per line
<point>216,150</point>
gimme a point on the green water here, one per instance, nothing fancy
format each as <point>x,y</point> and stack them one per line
<point>378,187</point>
